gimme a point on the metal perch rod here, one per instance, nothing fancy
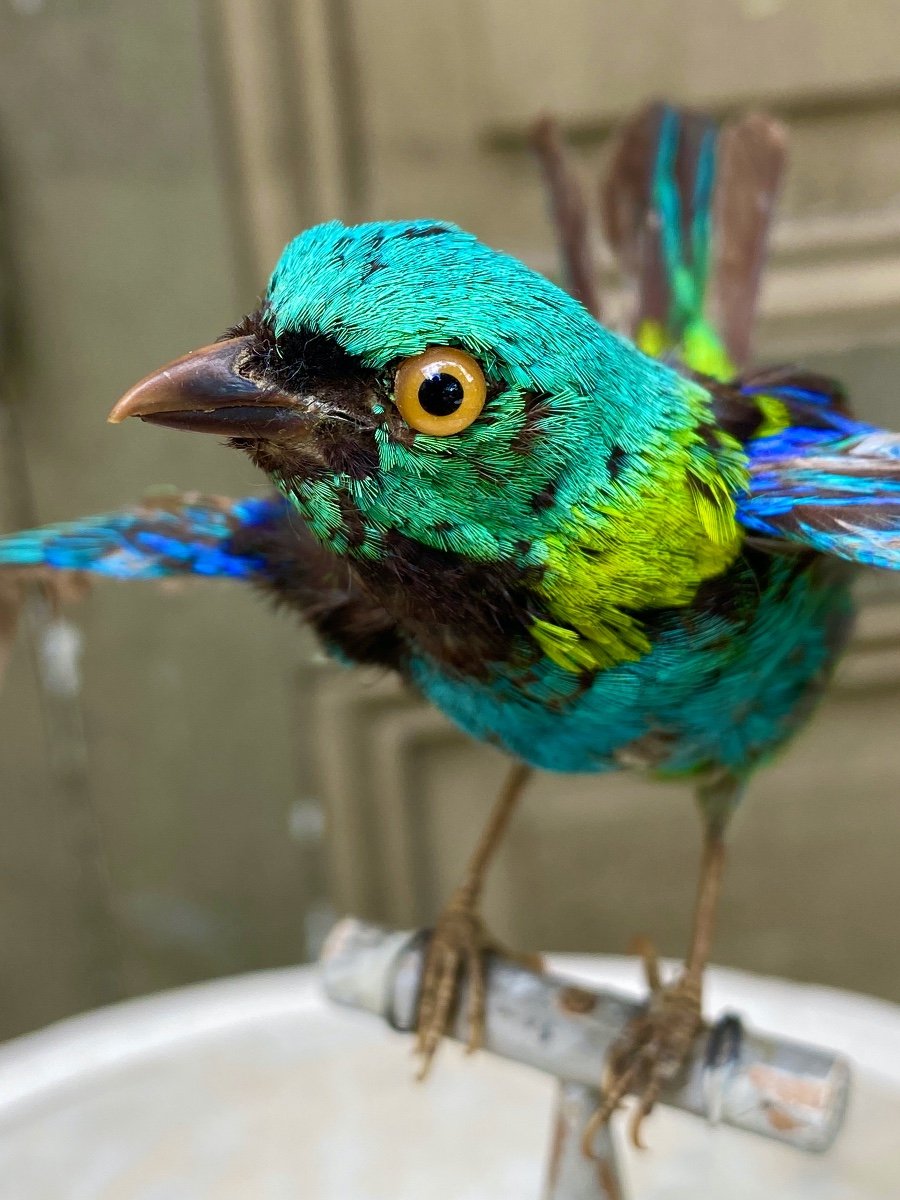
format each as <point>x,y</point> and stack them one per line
<point>760,1083</point>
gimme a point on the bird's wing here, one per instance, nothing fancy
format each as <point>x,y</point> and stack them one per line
<point>687,205</point>
<point>165,537</point>
<point>259,541</point>
<point>817,477</point>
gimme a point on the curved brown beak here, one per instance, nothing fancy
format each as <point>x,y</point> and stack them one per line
<point>205,391</point>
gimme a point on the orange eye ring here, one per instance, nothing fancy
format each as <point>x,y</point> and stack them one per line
<point>440,391</point>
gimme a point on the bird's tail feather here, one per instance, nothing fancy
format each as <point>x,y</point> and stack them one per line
<point>686,209</point>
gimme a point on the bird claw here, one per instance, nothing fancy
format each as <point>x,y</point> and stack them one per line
<point>456,956</point>
<point>456,952</point>
<point>651,1051</point>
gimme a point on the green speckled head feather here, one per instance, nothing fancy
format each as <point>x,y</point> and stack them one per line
<point>593,465</point>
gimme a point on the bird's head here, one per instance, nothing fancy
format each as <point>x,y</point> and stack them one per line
<point>402,380</point>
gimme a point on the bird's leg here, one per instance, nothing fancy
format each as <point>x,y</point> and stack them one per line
<point>460,941</point>
<point>654,1047</point>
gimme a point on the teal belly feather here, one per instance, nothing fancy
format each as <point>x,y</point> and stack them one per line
<point>725,683</point>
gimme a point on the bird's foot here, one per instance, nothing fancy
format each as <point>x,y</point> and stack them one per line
<point>456,955</point>
<point>652,1050</point>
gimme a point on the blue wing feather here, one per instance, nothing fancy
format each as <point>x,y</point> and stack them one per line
<point>834,488</point>
<point>163,538</point>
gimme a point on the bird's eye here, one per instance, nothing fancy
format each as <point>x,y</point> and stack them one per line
<point>440,391</point>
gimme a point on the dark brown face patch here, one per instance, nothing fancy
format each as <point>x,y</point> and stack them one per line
<point>463,614</point>
<point>305,577</point>
<point>351,519</point>
<point>295,358</point>
<point>351,399</point>
<point>355,457</point>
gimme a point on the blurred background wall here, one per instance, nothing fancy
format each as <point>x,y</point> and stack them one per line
<point>185,789</point>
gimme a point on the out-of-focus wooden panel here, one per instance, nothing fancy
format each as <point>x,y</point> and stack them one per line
<point>447,98</point>
<point>119,228</point>
<point>590,59</point>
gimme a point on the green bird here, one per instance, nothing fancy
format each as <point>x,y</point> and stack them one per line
<point>598,553</point>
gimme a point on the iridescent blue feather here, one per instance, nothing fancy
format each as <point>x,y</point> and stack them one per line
<point>834,488</point>
<point>163,538</point>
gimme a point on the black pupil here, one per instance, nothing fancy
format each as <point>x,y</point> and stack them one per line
<point>441,394</point>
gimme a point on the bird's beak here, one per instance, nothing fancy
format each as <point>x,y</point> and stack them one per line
<point>205,391</point>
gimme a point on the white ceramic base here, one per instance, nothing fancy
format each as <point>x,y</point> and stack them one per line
<point>254,1088</point>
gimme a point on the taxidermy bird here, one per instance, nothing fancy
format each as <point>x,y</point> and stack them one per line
<point>598,553</point>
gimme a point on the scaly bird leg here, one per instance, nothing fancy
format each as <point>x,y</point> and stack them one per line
<point>460,941</point>
<point>654,1047</point>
